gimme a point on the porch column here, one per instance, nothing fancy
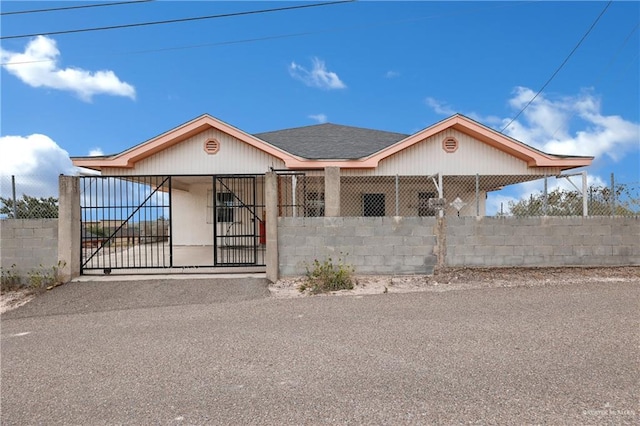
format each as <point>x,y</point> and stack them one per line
<point>271,215</point>
<point>332,191</point>
<point>69,227</point>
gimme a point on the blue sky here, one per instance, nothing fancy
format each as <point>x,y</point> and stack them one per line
<point>396,66</point>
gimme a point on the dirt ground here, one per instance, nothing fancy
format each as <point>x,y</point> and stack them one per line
<point>467,278</point>
<point>443,280</point>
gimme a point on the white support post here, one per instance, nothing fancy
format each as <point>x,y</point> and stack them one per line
<point>397,196</point>
<point>585,204</point>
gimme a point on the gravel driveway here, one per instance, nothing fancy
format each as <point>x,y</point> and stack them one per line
<point>225,352</point>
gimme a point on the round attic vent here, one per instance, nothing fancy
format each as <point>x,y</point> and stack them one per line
<point>450,144</point>
<point>211,146</point>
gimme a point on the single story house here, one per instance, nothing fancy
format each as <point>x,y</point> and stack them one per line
<point>208,177</point>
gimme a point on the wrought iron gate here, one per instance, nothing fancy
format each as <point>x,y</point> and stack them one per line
<point>125,222</point>
<point>239,230</point>
<point>145,222</point>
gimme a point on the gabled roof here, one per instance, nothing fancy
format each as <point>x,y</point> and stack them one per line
<point>331,141</point>
<point>326,145</point>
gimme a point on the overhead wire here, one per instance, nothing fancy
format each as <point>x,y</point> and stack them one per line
<point>607,67</point>
<point>173,21</point>
<point>559,68</point>
<point>85,6</point>
<point>284,36</point>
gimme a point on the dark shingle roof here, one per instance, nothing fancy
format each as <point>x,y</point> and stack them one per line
<point>331,141</point>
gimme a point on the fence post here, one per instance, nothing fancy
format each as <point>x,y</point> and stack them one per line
<point>69,234</point>
<point>477,194</point>
<point>13,192</point>
<point>397,196</point>
<point>332,191</point>
<point>585,204</point>
<point>545,198</point>
<point>271,214</point>
<point>613,196</point>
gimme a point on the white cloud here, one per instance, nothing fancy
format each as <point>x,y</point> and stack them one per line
<point>392,74</point>
<point>36,161</point>
<point>96,152</point>
<point>547,125</point>
<point>39,68</point>
<point>318,76</point>
<point>439,107</point>
<point>562,125</point>
<point>320,118</point>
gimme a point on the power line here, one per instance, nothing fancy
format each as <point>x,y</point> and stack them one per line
<point>172,21</point>
<point>560,67</point>
<point>282,36</point>
<point>54,9</point>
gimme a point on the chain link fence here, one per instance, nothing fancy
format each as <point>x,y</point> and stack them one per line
<point>302,194</point>
<point>28,197</point>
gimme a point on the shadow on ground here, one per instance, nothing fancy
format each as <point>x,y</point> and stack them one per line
<point>86,297</point>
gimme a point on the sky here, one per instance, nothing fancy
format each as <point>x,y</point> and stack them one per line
<point>394,66</point>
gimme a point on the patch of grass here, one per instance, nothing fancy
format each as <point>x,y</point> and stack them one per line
<point>326,276</point>
<point>36,280</point>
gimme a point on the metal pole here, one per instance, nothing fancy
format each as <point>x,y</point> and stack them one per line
<point>545,198</point>
<point>13,191</point>
<point>613,196</point>
<point>440,193</point>
<point>294,184</point>
<point>477,194</point>
<point>397,198</point>
<point>585,204</point>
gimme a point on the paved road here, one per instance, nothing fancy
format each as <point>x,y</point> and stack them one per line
<point>223,352</point>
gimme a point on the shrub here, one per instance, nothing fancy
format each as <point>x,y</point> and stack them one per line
<point>326,276</point>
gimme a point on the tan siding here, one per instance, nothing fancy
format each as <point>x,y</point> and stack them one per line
<point>428,157</point>
<point>188,157</point>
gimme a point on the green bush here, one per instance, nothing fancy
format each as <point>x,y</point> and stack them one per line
<point>326,276</point>
<point>35,280</point>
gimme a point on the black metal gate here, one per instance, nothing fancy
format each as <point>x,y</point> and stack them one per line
<point>239,223</point>
<point>136,222</point>
<point>125,222</point>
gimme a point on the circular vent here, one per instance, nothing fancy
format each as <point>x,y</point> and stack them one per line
<point>450,144</point>
<point>211,146</point>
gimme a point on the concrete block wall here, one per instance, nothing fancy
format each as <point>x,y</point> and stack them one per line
<point>543,241</point>
<point>28,243</point>
<point>375,245</point>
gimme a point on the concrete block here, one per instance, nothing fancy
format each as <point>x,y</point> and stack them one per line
<point>514,240</point>
<point>414,241</point>
<point>532,260</point>
<point>562,250</point>
<point>582,251</point>
<point>514,260</point>
<point>484,250</point>
<point>373,260</point>
<point>23,233</point>
<point>542,250</point>
<point>504,250</point>
<point>603,251</point>
<point>472,260</point>
<point>364,231</point>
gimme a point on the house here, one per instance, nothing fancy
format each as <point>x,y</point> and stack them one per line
<point>206,178</point>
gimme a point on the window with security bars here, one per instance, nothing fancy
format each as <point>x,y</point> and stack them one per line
<point>423,204</point>
<point>224,206</point>
<point>314,204</point>
<point>373,204</point>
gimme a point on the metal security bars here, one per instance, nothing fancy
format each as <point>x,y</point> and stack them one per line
<point>237,210</point>
<point>125,222</point>
<point>180,221</point>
